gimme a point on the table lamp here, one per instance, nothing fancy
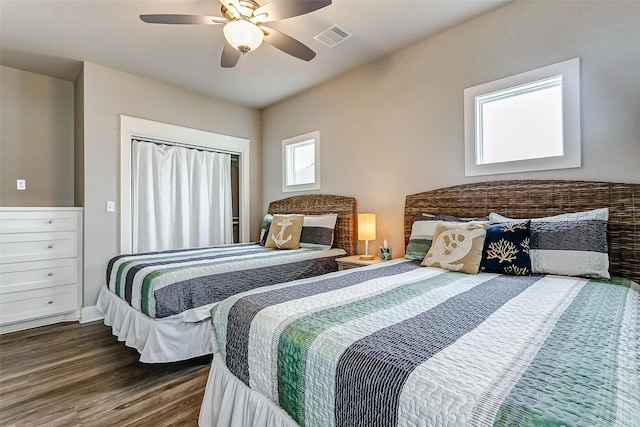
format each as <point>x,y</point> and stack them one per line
<point>366,232</point>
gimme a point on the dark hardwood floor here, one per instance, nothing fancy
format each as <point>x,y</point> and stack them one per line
<point>70,374</point>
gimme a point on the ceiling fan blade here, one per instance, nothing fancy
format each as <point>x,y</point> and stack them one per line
<point>283,9</point>
<point>233,6</point>
<point>288,44</point>
<point>230,56</point>
<point>183,19</point>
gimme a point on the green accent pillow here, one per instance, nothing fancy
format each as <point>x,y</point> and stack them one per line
<point>264,230</point>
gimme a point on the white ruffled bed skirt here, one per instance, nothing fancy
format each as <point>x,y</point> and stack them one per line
<point>229,402</point>
<point>158,341</point>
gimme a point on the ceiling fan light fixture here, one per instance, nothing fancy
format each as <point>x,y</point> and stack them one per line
<point>243,35</point>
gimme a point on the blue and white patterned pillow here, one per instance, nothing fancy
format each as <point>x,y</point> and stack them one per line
<point>317,231</point>
<point>506,249</point>
<point>573,244</point>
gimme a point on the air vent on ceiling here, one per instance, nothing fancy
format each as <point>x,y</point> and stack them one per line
<point>333,35</point>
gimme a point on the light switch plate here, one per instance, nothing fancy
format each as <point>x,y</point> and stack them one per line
<point>21,184</point>
<point>111,206</point>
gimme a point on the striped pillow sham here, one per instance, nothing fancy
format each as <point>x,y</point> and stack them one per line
<point>317,231</point>
<point>573,244</point>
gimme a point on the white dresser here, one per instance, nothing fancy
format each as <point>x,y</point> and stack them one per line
<point>40,266</point>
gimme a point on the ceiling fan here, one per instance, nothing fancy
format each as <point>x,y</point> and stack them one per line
<point>243,26</point>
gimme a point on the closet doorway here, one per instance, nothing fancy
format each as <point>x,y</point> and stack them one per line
<point>218,161</point>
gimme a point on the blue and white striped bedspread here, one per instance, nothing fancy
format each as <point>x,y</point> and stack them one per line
<point>401,345</point>
<point>162,284</point>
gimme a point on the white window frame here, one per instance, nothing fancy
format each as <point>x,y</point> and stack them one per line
<point>132,127</point>
<point>571,158</point>
<point>286,144</point>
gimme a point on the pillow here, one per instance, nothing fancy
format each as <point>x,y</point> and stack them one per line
<point>264,231</point>
<point>457,247</point>
<point>285,231</point>
<point>317,231</point>
<point>422,230</point>
<point>506,249</point>
<point>573,244</point>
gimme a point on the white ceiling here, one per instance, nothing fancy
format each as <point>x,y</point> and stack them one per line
<point>52,37</point>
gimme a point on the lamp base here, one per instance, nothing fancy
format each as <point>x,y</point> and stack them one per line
<point>368,257</point>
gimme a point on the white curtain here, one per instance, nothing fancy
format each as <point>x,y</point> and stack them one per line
<point>181,197</point>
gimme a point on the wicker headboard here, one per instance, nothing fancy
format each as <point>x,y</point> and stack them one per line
<point>318,204</point>
<point>534,199</point>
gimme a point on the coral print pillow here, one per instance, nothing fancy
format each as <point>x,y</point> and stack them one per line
<point>457,247</point>
<point>506,249</point>
<point>284,232</point>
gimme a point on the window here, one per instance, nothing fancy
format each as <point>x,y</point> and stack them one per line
<point>527,122</point>
<point>301,162</point>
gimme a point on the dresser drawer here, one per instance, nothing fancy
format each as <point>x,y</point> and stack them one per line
<point>38,246</point>
<point>17,221</point>
<point>17,306</point>
<point>22,276</point>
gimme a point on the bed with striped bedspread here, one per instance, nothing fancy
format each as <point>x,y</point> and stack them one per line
<point>163,284</point>
<point>403,345</point>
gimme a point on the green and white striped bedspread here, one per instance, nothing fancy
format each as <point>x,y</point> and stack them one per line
<point>163,284</point>
<point>401,345</point>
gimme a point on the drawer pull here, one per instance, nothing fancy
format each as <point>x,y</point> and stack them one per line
<point>50,221</point>
<point>50,301</point>
<point>50,246</point>
<point>50,274</point>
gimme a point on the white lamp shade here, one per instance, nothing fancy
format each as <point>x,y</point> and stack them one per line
<point>243,35</point>
<point>367,226</point>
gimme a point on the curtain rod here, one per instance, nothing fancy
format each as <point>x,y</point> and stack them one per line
<point>181,144</point>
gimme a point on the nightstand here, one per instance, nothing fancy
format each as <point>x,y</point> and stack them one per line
<point>354,261</point>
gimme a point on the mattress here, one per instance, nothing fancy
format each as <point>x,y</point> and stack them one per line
<point>181,282</point>
<point>403,345</point>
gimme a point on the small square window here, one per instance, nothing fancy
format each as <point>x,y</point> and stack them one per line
<point>520,123</point>
<point>301,162</point>
<point>526,122</point>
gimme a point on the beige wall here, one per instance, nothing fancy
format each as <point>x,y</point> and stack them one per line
<point>36,139</point>
<point>108,94</point>
<point>78,151</point>
<point>395,127</point>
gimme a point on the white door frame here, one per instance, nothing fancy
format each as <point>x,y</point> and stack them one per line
<point>132,127</point>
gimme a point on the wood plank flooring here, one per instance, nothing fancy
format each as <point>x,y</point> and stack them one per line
<point>70,374</point>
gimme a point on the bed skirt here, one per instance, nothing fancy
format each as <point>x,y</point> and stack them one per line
<point>229,402</point>
<point>158,341</point>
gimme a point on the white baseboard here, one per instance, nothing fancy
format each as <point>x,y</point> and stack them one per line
<point>87,314</point>
<point>43,321</point>
<point>90,314</point>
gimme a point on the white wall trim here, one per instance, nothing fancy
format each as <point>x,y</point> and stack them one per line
<point>90,314</point>
<point>131,127</point>
<point>42,321</point>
